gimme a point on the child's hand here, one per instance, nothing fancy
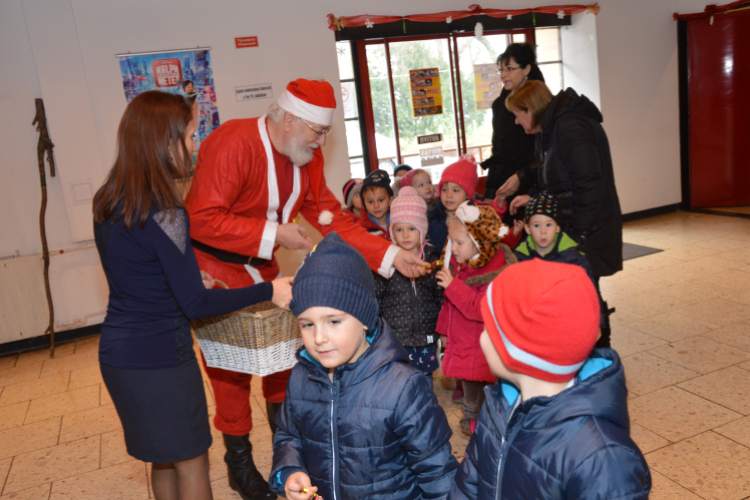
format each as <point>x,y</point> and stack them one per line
<point>518,227</point>
<point>296,483</point>
<point>444,277</point>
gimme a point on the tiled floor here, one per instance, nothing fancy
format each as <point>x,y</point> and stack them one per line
<point>682,327</point>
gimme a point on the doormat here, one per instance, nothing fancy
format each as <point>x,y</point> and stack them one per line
<point>631,251</point>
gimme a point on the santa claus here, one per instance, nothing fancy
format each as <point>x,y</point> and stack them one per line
<point>253,177</point>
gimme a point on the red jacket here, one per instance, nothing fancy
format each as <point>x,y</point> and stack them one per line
<point>461,320</point>
<point>373,228</point>
<point>350,213</point>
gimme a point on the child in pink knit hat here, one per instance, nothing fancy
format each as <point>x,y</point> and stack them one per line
<point>411,305</point>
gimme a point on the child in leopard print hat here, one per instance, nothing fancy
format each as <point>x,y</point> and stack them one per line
<point>473,256</point>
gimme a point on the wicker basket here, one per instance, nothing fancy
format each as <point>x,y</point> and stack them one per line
<point>261,339</point>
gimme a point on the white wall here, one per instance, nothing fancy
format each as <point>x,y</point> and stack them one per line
<point>580,58</point>
<point>64,51</point>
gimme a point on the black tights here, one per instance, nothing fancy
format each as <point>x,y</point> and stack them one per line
<point>184,480</point>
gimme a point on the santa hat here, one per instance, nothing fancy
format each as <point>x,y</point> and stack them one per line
<point>409,207</point>
<point>463,173</point>
<point>542,318</point>
<point>310,100</point>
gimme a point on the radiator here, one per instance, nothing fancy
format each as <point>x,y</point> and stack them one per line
<point>23,299</point>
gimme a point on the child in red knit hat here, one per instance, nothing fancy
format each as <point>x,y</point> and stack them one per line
<point>473,256</point>
<point>557,420</point>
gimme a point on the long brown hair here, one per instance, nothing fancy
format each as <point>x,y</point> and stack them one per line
<point>150,138</point>
<point>531,96</point>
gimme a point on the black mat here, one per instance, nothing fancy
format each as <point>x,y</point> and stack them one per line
<point>631,251</point>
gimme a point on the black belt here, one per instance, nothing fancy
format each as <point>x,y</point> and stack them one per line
<point>227,256</point>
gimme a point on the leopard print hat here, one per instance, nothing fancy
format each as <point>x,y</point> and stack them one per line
<point>485,228</point>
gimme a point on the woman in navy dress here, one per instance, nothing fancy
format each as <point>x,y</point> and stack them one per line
<point>155,287</point>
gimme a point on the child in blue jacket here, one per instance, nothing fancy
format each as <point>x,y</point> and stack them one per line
<point>556,426</point>
<point>358,421</point>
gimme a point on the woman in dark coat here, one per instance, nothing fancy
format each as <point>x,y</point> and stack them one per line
<point>512,149</point>
<point>573,162</point>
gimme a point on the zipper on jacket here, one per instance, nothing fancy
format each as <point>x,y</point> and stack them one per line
<point>499,468</point>
<point>333,439</point>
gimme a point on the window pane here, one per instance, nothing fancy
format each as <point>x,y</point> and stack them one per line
<point>349,97</point>
<point>357,168</point>
<point>380,94</point>
<point>353,138</point>
<point>552,76</point>
<point>344,53</point>
<point>519,38</point>
<point>547,44</point>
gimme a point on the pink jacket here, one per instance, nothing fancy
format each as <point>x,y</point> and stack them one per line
<point>461,320</point>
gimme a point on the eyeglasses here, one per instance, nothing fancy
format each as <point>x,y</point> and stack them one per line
<point>318,133</point>
<point>507,69</point>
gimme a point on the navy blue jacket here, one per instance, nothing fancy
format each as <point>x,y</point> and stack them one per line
<point>437,230</point>
<point>575,445</point>
<point>375,432</point>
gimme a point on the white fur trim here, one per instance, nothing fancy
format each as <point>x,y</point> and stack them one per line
<point>467,213</point>
<point>386,265</point>
<point>325,218</point>
<point>273,187</point>
<point>503,231</point>
<point>310,112</point>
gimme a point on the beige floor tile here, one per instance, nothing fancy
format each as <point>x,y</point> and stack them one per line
<point>262,441</point>
<point>40,492</point>
<point>89,423</point>
<point>737,255</point>
<point>709,264</point>
<point>710,465</point>
<point>649,304</point>
<point>4,469</point>
<point>666,489</point>
<point>85,377</point>
<point>218,468</point>
<point>88,344</point>
<point>729,279</point>
<point>654,261</point>
<point>114,450</point>
<point>701,354</point>
<point>670,276</point>
<point>647,373</point>
<point>222,491</point>
<point>675,414</point>
<point>34,389</point>
<point>689,252</point>
<point>123,481</point>
<point>69,363</point>
<point>739,431</point>
<point>729,387</point>
<point>19,374</point>
<point>13,415</point>
<point>61,404</point>
<point>721,312</point>
<point>51,464</point>
<point>622,317</point>
<point>627,286</point>
<point>726,244</point>
<point>42,355</point>
<point>627,341</point>
<point>104,398</point>
<point>672,326</point>
<point>739,297</point>
<point>736,335</point>
<point>8,361</point>
<point>29,437</point>
<point>210,401</point>
<point>646,440</point>
<point>693,293</point>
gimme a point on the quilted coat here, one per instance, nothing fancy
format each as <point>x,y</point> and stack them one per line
<point>411,307</point>
<point>375,432</point>
<point>575,445</point>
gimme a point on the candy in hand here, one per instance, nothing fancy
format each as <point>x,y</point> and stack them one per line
<point>315,495</point>
<point>435,264</point>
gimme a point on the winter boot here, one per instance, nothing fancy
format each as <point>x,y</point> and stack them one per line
<point>458,394</point>
<point>244,477</point>
<point>272,409</point>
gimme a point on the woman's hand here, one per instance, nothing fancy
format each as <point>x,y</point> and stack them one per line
<point>519,202</point>
<point>410,265</point>
<point>208,281</point>
<point>444,277</point>
<point>296,483</point>
<point>282,292</point>
<point>510,187</point>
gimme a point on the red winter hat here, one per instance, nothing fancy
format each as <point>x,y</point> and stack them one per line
<point>543,318</point>
<point>311,100</point>
<point>463,173</point>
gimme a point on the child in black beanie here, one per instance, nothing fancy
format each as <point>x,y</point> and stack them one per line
<point>352,392</point>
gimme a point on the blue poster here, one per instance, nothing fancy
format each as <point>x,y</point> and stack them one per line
<point>186,72</point>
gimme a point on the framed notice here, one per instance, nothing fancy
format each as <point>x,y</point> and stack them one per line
<point>426,96</point>
<point>487,85</point>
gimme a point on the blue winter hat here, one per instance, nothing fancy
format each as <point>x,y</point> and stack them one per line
<point>336,275</point>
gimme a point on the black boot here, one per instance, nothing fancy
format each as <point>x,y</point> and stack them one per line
<point>244,477</point>
<point>272,409</point>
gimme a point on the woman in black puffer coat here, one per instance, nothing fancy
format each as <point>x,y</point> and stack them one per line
<point>512,148</point>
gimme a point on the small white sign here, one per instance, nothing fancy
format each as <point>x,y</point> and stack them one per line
<point>253,91</point>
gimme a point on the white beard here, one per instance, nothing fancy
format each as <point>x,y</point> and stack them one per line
<point>300,153</point>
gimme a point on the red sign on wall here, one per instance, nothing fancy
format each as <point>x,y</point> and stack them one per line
<point>167,72</point>
<point>246,41</point>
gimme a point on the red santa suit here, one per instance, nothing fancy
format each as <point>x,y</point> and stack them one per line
<point>242,190</point>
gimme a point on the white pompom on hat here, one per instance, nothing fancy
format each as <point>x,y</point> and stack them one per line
<point>310,100</point>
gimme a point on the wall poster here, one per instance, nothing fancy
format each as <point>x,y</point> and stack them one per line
<point>487,85</point>
<point>426,96</point>
<point>186,72</point>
